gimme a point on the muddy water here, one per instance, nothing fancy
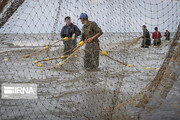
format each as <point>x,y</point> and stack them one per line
<point>71,93</point>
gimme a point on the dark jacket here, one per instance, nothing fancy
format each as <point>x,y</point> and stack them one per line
<point>167,35</point>
<point>146,34</point>
<point>68,31</point>
<point>146,37</point>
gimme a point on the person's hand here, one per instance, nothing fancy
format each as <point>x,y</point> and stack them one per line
<point>90,39</point>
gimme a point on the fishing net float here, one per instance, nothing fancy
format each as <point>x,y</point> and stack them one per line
<point>44,48</point>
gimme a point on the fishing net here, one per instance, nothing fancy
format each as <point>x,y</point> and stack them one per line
<point>131,82</point>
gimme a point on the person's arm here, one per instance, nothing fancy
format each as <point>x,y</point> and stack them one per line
<point>93,37</point>
<point>143,35</point>
<point>82,37</point>
<point>77,31</point>
<point>160,35</point>
<point>62,32</point>
<point>98,30</point>
<point>153,35</point>
<point>169,34</point>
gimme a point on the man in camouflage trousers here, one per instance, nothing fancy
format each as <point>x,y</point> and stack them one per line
<point>90,33</point>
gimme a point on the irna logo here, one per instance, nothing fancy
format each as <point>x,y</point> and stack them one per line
<point>19,91</point>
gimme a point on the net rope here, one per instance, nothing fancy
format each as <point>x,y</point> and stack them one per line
<point>69,92</point>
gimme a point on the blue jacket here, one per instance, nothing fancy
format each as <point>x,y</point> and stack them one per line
<point>68,31</point>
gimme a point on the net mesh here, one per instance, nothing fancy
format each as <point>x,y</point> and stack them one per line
<point>124,87</point>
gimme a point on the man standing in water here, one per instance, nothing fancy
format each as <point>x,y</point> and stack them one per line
<point>90,34</point>
<point>146,38</point>
<point>71,31</point>
<point>156,35</point>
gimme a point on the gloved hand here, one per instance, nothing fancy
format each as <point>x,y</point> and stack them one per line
<point>142,37</point>
<point>90,39</point>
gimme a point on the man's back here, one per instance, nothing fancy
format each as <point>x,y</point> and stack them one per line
<point>156,35</point>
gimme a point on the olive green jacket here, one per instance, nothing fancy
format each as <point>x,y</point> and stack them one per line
<point>90,29</point>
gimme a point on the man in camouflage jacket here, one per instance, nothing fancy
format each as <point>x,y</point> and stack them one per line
<point>90,34</point>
